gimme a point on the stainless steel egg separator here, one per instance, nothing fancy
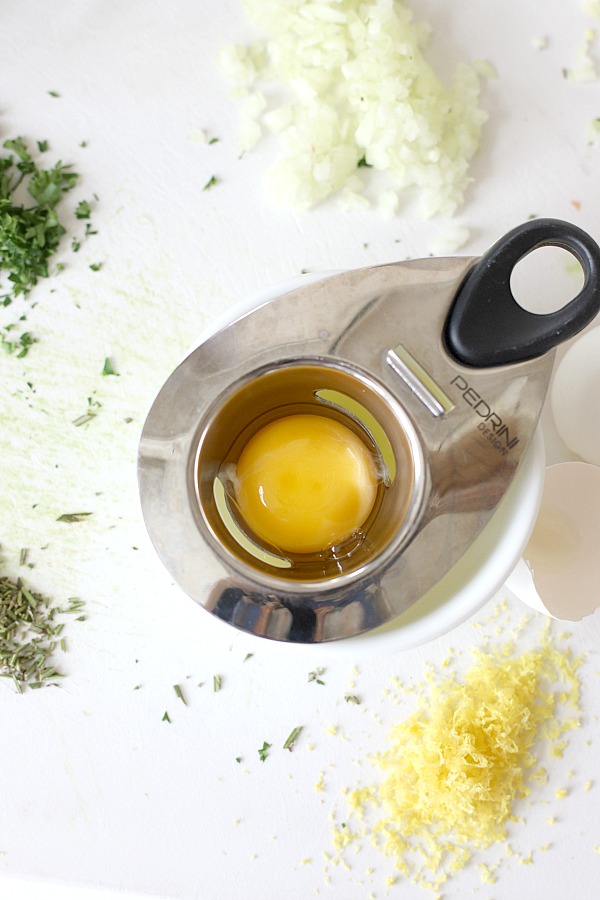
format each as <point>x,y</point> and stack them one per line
<point>436,352</point>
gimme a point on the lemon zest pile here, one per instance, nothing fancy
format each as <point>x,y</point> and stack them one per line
<point>458,764</point>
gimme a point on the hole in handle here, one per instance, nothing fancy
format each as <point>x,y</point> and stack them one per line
<point>546,280</point>
<point>486,326</point>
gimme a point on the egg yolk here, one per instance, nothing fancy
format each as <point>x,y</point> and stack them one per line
<point>305,483</point>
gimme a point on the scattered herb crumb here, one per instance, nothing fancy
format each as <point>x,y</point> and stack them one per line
<point>210,183</point>
<point>54,93</point>
<point>217,683</point>
<point>179,692</point>
<point>95,267</point>
<point>74,517</point>
<point>238,759</point>
<point>92,411</point>
<point>166,718</point>
<point>315,675</point>
<point>248,656</point>
<point>352,698</point>
<point>292,738</point>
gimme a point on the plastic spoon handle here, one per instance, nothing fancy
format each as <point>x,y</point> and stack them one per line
<point>487,327</point>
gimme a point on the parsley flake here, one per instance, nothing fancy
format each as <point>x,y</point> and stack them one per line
<point>108,367</point>
<point>263,751</point>
<point>83,210</point>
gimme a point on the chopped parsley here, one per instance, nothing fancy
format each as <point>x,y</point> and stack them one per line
<point>30,227</point>
<point>210,183</point>
<point>19,345</point>
<point>29,235</point>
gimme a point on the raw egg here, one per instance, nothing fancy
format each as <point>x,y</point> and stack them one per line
<point>305,483</point>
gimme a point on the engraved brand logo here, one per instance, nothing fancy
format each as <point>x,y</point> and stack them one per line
<point>491,425</point>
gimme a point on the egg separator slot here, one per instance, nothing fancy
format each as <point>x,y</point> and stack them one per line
<point>415,345</point>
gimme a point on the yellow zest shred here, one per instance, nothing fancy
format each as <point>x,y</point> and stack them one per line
<point>457,765</point>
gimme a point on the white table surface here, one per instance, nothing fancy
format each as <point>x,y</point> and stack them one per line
<point>99,794</point>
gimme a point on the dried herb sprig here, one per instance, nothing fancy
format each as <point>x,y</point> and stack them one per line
<point>29,634</point>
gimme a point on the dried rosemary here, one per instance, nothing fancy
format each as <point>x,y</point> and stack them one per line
<point>30,633</point>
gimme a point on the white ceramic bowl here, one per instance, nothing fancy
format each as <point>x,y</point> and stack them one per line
<point>478,575</point>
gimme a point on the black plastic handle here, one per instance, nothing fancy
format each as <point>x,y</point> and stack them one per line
<point>487,327</point>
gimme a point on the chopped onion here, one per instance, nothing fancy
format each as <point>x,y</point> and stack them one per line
<point>359,91</point>
<point>592,8</point>
<point>584,67</point>
<point>592,134</point>
<point>449,241</point>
